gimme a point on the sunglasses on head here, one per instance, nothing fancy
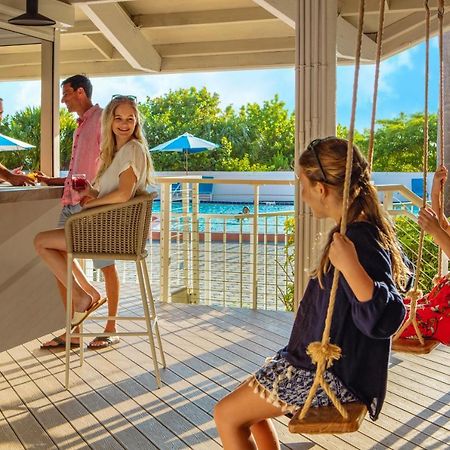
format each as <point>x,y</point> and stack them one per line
<point>313,147</point>
<point>133,98</point>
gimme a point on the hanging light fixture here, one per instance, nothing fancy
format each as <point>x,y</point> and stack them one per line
<point>32,17</point>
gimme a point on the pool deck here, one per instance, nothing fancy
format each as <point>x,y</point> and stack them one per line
<point>113,402</point>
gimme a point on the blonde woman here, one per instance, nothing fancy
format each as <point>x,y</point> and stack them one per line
<point>126,169</point>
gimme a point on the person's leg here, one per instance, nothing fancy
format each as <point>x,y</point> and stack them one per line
<point>112,287</point>
<point>51,247</point>
<point>84,282</point>
<point>242,419</point>
<point>265,435</point>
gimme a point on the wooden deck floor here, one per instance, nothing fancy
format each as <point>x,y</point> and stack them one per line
<point>113,402</point>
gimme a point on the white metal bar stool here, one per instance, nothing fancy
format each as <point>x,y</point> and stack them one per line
<point>119,232</point>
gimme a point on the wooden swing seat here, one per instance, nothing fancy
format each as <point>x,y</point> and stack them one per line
<point>404,345</point>
<point>327,420</point>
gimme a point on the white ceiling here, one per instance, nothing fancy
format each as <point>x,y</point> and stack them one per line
<point>110,37</point>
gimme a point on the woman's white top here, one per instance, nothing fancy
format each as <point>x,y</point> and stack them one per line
<point>132,154</point>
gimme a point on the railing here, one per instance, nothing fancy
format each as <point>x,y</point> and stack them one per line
<point>246,260</point>
<point>404,205</point>
<point>229,259</point>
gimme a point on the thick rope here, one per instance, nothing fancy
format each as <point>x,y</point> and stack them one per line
<point>375,87</point>
<point>415,293</point>
<point>441,211</point>
<point>323,354</point>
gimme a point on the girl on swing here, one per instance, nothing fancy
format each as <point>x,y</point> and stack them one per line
<point>433,309</point>
<point>368,309</point>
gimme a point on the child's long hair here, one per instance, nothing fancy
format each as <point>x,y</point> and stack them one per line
<point>324,161</point>
<point>108,148</point>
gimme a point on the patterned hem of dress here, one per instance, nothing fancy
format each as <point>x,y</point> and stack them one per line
<point>287,387</point>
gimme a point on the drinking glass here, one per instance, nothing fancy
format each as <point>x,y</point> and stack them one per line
<point>79,182</point>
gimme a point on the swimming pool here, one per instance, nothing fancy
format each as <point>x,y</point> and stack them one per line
<point>273,224</point>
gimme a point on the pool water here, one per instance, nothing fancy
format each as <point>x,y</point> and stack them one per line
<point>233,225</point>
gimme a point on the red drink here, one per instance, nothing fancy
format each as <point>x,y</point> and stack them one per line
<point>79,182</point>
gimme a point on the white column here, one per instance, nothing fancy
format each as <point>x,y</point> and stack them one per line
<point>50,106</point>
<point>315,84</point>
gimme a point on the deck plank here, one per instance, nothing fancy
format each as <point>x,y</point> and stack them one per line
<point>113,401</point>
<point>132,399</point>
<point>9,439</point>
<point>392,421</point>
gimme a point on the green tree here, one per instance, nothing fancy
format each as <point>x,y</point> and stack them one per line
<point>265,134</point>
<point>399,143</point>
<point>26,126</point>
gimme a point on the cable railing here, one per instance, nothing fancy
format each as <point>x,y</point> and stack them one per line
<point>245,259</point>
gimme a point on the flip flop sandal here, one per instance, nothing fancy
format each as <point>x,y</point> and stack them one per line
<point>106,341</point>
<point>59,344</point>
<point>80,317</point>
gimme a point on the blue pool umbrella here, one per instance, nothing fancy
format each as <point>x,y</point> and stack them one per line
<point>8,144</point>
<point>186,143</point>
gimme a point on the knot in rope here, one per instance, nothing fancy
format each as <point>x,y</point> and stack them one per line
<point>323,353</point>
<point>414,294</point>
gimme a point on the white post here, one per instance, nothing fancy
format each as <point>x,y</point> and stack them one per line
<point>387,200</point>
<point>254,247</point>
<point>195,246</point>
<point>164,241</point>
<point>49,158</point>
<point>208,273</point>
<point>186,234</point>
<point>315,84</point>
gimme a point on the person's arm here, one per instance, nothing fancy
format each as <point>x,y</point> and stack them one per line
<point>16,179</point>
<point>343,256</point>
<point>429,223</point>
<point>439,179</point>
<point>127,182</point>
<point>50,181</point>
<point>367,271</point>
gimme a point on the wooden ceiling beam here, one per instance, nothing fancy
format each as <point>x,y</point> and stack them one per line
<point>209,17</point>
<point>351,7</point>
<point>101,44</point>
<point>115,24</point>
<point>282,9</point>
<point>10,60</point>
<point>226,47</point>
<point>346,36</point>
<point>175,20</point>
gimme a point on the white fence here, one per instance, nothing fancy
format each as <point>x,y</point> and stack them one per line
<point>240,259</point>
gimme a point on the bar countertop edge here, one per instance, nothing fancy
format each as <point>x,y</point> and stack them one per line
<point>13,194</point>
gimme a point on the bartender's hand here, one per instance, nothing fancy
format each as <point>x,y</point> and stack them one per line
<point>42,178</point>
<point>18,171</point>
<point>20,180</point>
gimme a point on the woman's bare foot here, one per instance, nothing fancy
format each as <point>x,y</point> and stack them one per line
<point>83,303</point>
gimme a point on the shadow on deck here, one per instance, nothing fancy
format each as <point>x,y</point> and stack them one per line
<point>113,402</point>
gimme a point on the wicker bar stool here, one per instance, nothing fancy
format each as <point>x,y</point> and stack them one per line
<point>117,231</point>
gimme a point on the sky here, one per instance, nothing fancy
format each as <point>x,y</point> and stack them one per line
<point>401,87</point>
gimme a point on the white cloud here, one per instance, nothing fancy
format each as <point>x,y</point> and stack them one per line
<point>19,95</point>
<point>237,88</point>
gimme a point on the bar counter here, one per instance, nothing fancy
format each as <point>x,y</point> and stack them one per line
<point>30,305</point>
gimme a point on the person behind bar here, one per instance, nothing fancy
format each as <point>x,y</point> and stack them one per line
<point>13,177</point>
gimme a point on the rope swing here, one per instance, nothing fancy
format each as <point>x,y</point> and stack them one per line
<point>421,345</point>
<point>324,353</point>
